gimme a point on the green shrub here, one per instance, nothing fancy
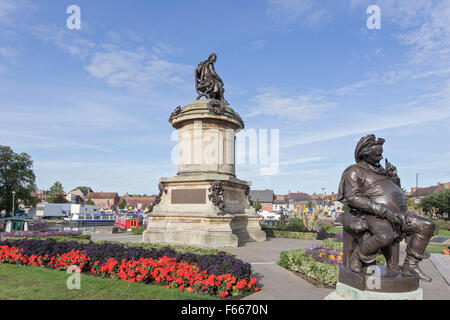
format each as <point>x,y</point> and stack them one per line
<point>138,231</point>
<point>324,273</point>
<point>441,224</point>
<point>296,224</point>
<point>324,225</point>
<point>332,243</point>
<point>291,235</point>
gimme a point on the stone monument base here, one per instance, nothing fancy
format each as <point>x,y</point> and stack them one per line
<point>187,216</point>
<point>205,232</point>
<point>345,292</point>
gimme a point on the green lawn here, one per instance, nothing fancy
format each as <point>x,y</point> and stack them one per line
<point>436,248</point>
<point>26,283</point>
<point>443,232</point>
<point>335,230</point>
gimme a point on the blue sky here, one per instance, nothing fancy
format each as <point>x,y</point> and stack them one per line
<point>90,106</point>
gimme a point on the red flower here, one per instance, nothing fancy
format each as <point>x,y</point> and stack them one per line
<point>223,294</point>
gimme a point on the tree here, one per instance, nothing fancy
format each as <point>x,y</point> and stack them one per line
<point>123,204</point>
<point>54,191</point>
<point>309,204</point>
<point>438,200</point>
<point>85,190</point>
<point>60,198</point>
<point>16,175</point>
<point>257,205</point>
<point>90,202</point>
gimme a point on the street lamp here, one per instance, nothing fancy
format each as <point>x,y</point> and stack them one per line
<point>13,194</point>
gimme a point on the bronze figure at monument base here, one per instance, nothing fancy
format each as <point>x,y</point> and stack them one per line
<point>378,220</point>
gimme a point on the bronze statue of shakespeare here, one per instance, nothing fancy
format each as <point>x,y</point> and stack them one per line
<point>378,208</point>
<point>207,83</point>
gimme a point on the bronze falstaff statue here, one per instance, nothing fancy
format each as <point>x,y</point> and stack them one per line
<point>379,211</point>
<point>208,84</point>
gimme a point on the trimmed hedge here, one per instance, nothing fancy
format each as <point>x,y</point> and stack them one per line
<point>291,234</point>
<point>324,273</point>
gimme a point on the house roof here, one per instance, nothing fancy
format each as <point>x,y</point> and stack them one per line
<point>102,195</point>
<point>146,202</point>
<point>262,195</point>
<point>422,192</point>
<point>298,196</point>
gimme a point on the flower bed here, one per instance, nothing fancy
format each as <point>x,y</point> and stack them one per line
<point>218,274</point>
<point>46,234</point>
<point>325,274</point>
<point>319,264</point>
<point>325,255</point>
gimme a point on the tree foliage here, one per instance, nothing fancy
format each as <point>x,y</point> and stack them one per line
<point>85,190</point>
<point>438,200</point>
<point>54,193</point>
<point>16,174</point>
<point>123,204</point>
<point>60,198</point>
<point>310,204</point>
<point>90,202</point>
<point>257,205</point>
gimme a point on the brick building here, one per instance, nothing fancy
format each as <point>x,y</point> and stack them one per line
<point>418,193</point>
<point>265,197</point>
<point>137,202</point>
<point>105,200</point>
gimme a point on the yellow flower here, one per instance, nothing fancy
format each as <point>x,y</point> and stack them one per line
<point>332,257</point>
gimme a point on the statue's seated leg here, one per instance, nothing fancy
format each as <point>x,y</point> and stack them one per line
<point>422,230</point>
<point>382,235</point>
<point>391,254</point>
<point>351,250</point>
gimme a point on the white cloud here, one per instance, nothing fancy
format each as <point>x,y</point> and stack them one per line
<point>272,102</point>
<point>258,44</point>
<point>8,8</point>
<point>302,161</point>
<point>426,108</point>
<point>307,12</point>
<point>422,24</point>
<point>288,10</point>
<point>136,69</point>
<point>65,39</point>
<point>9,53</point>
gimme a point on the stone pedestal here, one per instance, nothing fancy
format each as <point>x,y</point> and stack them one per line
<point>345,292</point>
<point>375,284</point>
<point>205,205</point>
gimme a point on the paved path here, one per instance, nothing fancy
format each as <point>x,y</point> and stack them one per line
<point>442,264</point>
<point>276,282</point>
<point>280,284</point>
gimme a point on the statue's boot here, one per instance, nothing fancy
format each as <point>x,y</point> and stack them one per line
<point>411,268</point>
<point>355,262</point>
<point>391,256</point>
<point>422,231</point>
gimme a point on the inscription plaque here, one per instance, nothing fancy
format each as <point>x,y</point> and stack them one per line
<point>188,196</point>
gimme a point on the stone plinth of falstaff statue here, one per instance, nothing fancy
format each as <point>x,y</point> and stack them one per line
<point>205,205</point>
<point>378,220</point>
